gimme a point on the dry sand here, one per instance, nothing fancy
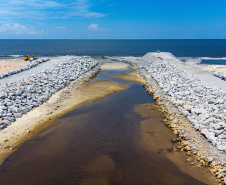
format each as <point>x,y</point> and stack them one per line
<point>10,65</point>
<point>220,68</point>
<point>114,66</point>
<point>32,123</point>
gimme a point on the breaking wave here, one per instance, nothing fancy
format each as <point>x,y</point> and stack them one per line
<point>203,60</point>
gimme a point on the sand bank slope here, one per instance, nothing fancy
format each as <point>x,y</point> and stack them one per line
<point>193,102</point>
<point>72,96</point>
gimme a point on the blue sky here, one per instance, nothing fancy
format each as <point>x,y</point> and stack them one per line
<point>113,19</point>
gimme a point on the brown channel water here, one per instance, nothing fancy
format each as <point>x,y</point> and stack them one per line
<point>97,143</point>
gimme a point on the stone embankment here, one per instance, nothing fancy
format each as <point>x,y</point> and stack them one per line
<point>195,109</point>
<point>20,97</point>
<point>27,67</point>
<point>219,75</point>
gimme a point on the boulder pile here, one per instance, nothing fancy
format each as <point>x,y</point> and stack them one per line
<point>20,97</point>
<point>203,104</point>
<point>219,75</point>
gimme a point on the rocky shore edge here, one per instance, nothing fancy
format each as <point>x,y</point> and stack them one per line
<point>197,127</point>
<point>31,123</point>
<point>24,95</point>
<point>220,75</point>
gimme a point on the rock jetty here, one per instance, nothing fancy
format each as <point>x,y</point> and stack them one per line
<point>20,97</point>
<point>204,105</point>
<point>219,75</point>
<point>198,100</point>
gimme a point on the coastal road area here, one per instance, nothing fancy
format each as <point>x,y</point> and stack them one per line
<point>203,75</point>
<point>26,73</point>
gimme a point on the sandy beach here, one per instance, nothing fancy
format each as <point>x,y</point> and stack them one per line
<point>10,65</point>
<point>220,68</point>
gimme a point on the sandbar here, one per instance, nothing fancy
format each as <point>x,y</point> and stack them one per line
<point>114,66</point>
<point>132,76</point>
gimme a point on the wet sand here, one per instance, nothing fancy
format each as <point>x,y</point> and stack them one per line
<point>77,93</point>
<point>103,142</point>
<point>158,138</point>
<point>162,140</point>
<point>10,65</point>
<point>132,76</point>
<point>114,66</point>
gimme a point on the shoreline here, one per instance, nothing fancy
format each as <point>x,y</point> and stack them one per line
<point>152,139</point>
<point>154,125</point>
<point>77,93</point>
<point>219,68</point>
<point>66,134</point>
<point>10,140</point>
<point>61,104</point>
<point>200,156</point>
<point>196,156</point>
<point>198,149</point>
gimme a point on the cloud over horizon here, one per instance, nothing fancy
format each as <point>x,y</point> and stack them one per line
<point>18,29</point>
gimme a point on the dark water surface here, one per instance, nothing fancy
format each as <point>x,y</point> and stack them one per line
<point>215,62</point>
<point>180,48</point>
<point>94,144</point>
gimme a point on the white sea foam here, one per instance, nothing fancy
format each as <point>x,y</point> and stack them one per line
<point>15,55</point>
<point>210,58</point>
<point>198,60</point>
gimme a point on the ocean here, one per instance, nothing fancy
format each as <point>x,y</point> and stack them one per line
<point>214,51</point>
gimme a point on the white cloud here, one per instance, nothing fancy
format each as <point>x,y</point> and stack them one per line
<point>18,29</point>
<point>36,32</point>
<point>82,9</point>
<point>93,27</point>
<point>41,9</point>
